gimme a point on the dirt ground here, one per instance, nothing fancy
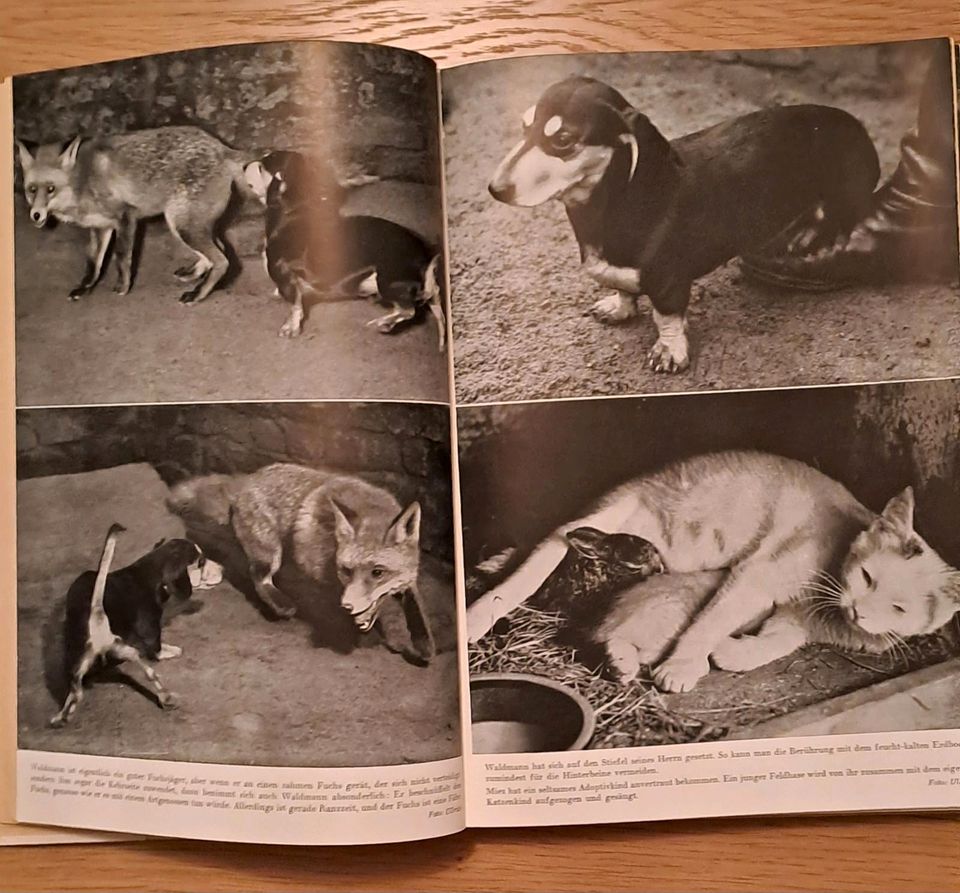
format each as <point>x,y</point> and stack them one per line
<point>147,347</point>
<point>252,691</point>
<point>519,296</point>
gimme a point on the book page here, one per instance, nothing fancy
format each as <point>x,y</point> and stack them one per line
<point>706,326</point>
<point>235,613</point>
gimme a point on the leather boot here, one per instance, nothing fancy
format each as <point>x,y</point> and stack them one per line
<point>910,232</point>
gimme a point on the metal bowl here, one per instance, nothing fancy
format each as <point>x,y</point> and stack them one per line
<point>521,713</point>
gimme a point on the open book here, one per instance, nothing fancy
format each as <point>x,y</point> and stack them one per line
<point>560,439</point>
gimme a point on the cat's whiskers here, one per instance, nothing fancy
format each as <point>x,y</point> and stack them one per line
<point>829,578</point>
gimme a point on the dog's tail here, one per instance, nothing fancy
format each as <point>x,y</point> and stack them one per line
<point>238,162</point>
<point>103,569</point>
<point>433,297</point>
<point>208,498</point>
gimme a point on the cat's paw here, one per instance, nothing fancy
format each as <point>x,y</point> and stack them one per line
<point>738,655</point>
<point>680,674</point>
<point>168,652</point>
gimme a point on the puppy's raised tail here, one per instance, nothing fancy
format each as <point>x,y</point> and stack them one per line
<point>103,569</point>
<point>208,498</point>
<point>433,297</point>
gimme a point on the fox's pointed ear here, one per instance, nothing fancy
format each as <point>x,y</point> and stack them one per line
<point>68,157</point>
<point>26,156</point>
<point>345,531</point>
<point>407,527</point>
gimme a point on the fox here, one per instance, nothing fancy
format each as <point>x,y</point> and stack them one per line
<point>107,185</point>
<point>338,529</point>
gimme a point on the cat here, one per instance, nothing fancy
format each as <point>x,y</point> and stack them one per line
<point>788,535</point>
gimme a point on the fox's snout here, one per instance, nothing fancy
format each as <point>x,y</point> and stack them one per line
<point>361,604</point>
<point>39,217</point>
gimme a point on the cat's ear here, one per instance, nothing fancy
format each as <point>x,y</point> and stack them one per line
<point>898,513</point>
<point>588,541</point>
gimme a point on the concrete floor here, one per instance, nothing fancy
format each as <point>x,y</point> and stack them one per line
<point>299,693</point>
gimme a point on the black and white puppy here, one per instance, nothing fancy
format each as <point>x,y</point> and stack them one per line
<point>312,250</point>
<point>117,615</point>
<point>652,215</point>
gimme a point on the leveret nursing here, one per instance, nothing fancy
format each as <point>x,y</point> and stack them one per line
<point>795,557</point>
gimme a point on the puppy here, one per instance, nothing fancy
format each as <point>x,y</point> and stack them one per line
<point>652,215</point>
<point>313,251</point>
<point>117,616</point>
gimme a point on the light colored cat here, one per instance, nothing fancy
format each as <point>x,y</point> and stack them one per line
<point>788,536</point>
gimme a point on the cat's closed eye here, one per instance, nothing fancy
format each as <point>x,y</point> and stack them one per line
<point>866,577</point>
<point>900,609</point>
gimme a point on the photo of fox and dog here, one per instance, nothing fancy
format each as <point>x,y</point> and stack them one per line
<point>238,583</point>
<point>747,564</point>
<point>789,217</point>
<point>305,174</point>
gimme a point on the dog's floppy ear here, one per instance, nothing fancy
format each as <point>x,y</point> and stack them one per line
<point>633,129</point>
<point>178,586</point>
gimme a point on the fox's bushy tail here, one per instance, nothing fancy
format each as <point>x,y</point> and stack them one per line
<point>208,498</point>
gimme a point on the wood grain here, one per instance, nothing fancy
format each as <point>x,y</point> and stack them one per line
<point>840,853</point>
<point>903,852</point>
<point>74,32</point>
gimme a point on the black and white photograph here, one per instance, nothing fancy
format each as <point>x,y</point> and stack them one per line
<point>261,584</point>
<point>236,223</point>
<point>657,222</point>
<point>686,568</point>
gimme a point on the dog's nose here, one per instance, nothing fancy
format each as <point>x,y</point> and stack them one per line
<point>502,192</point>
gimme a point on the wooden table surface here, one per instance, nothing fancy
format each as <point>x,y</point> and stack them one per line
<point>904,852</point>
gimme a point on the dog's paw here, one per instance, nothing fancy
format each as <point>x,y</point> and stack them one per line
<point>670,358</point>
<point>290,329</point>
<point>613,309</point>
<point>168,652</point>
<point>58,721</point>
<point>81,291</point>
<point>680,674</point>
<point>168,700</point>
<point>283,612</point>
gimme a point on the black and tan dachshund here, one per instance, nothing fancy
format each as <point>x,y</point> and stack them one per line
<point>651,215</point>
<point>314,252</point>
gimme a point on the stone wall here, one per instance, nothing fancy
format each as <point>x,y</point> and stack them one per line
<point>404,448</point>
<point>527,469</point>
<point>368,110</point>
